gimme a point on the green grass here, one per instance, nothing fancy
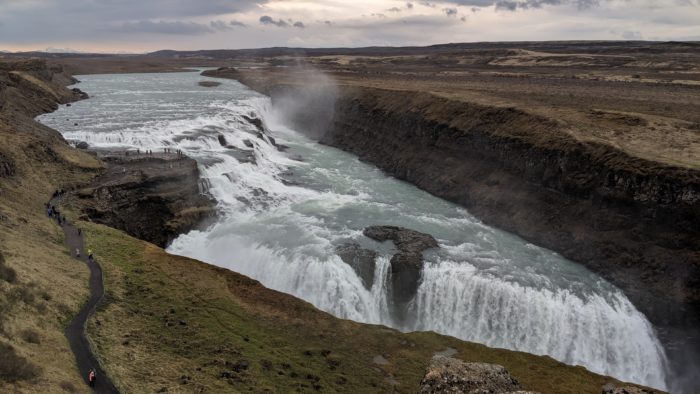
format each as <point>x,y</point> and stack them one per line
<point>288,345</point>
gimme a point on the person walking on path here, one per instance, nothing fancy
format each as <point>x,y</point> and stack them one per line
<point>91,378</point>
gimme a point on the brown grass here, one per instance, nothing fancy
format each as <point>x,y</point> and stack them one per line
<point>14,367</point>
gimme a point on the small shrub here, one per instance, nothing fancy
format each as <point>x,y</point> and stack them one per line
<point>31,336</point>
<point>68,387</point>
<point>46,296</point>
<point>41,307</point>
<point>14,367</point>
<point>24,294</point>
<point>7,273</point>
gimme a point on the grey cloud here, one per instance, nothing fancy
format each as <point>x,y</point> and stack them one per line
<point>450,11</point>
<point>220,25</point>
<point>409,5</point>
<point>512,5</point>
<point>267,20</point>
<point>394,9</point>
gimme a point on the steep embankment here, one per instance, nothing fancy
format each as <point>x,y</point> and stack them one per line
<point>632,220</point>
<point>41,287</point>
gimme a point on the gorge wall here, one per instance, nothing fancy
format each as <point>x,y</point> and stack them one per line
<point>632,221</point>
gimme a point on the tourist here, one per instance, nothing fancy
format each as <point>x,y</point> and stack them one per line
<point>77,253</point>
<point>91,378</point>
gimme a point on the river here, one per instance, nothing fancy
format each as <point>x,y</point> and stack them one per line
<point>281,215</point>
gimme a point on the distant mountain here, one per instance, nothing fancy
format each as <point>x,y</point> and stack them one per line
<point>60,50</point>
<point>597,47</point>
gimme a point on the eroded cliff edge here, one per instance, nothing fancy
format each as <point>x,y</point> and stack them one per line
<point>154,197</point>
<point>634,221</point>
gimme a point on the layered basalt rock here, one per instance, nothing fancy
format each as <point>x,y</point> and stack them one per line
<point>150,197</point>
<point>362,261</point>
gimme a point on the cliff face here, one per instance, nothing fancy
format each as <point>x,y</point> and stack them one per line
<point>634,222</point>
<point>151,197</point>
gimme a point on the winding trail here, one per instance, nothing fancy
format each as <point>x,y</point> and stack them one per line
<point>75,332</point>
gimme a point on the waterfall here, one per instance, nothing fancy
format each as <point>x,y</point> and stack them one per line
<point>282,213</point>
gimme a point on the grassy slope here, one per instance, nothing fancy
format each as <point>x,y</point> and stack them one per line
<point>49,286</point>
<point>288,344</point>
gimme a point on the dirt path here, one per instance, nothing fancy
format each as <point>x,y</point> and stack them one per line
<point>75,332</point>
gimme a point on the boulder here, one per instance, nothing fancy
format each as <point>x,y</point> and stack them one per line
<point>79,94</point>
<point>450,375</point>
<point>209,84</point>
<point>406,240</point>
<point>610,388</point>
<point>82,145</point>
<point>222,140</point>
<point>361,260</point>
<point>257,122</point>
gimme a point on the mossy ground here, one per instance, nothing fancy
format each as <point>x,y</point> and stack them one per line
<point>178,324</point>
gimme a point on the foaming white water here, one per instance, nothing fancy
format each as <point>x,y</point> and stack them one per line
<point>280,220</point>
<point>605,334</point>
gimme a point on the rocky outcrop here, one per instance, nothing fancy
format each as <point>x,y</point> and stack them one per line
<point>257,122</point>
<point>612,389</point>
<point>222,140</point>
<point>363,261</point>
<point>209,84</point>
<point>450,375</point>
<point>7,166</point>
<point>28,87</point>
<point>407,262</point>
<point>150,197</point>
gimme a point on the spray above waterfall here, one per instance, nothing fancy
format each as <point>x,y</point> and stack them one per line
<point>284,214</point>
<point>308,105</point>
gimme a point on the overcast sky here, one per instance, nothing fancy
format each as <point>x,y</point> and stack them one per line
<point>147,25</point>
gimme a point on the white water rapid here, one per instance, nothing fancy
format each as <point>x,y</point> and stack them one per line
<point>281,217</point>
